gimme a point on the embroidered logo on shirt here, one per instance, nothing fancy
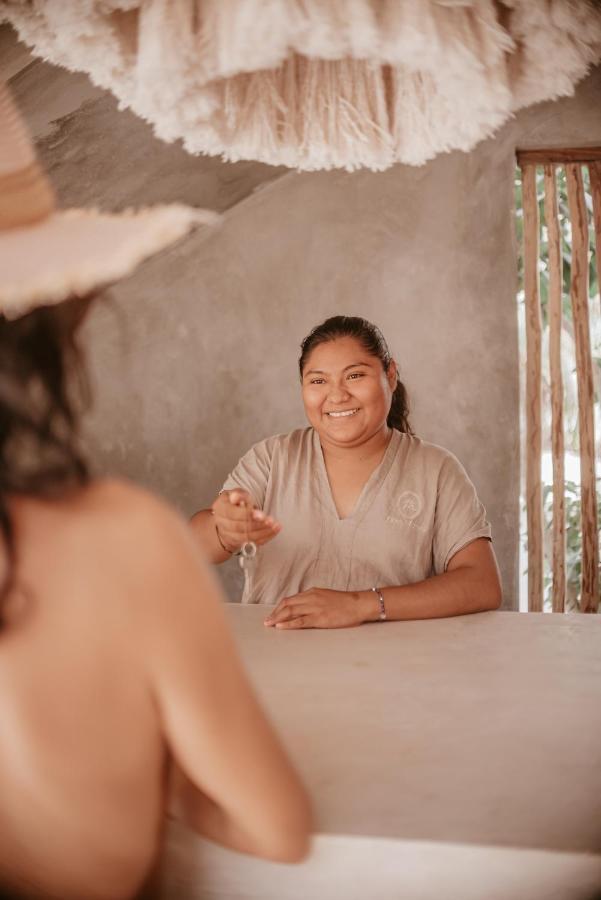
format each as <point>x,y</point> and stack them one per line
<point>406,509</point>
<point>409,505</point>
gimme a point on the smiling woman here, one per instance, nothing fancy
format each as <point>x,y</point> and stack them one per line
<point>372,523</point>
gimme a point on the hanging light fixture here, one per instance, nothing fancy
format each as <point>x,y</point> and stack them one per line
<point>320,84</point>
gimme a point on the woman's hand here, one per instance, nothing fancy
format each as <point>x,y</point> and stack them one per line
<point>322,608</point>
<point>238,521</point>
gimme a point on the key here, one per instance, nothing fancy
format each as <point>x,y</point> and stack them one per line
<point>248,553</point>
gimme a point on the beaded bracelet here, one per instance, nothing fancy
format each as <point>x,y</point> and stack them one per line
<point>382,615</point>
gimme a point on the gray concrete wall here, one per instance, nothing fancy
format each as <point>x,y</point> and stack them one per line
<point>195,356</point>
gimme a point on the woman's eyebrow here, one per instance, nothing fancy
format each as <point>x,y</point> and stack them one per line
<point>321,371</point>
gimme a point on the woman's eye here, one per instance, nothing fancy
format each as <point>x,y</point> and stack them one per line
<point>317,381</point>
<point>356,375</point>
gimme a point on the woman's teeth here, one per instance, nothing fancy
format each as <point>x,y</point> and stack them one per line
<point>339,415</point>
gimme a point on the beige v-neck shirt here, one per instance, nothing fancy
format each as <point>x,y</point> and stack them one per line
<point>416,510</point>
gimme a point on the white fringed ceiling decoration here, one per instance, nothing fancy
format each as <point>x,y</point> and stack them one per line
<point>320,84</point>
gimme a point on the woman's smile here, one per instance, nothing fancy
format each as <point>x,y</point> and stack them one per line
<point>342,413</point>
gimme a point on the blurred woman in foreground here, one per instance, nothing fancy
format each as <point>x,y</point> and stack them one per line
<point>115,657</point>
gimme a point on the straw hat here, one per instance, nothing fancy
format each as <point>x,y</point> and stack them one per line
<point>48,255</point>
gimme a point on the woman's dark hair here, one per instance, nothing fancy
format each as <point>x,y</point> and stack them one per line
<point>41,386</point>
<point>372,340</point>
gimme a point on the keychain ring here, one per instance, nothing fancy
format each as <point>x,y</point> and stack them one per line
<point>248,549</point>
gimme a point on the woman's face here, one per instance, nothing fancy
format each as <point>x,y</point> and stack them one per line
<point>346,392</point>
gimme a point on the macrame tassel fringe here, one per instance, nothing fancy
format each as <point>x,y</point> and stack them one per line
<point>320,84</point>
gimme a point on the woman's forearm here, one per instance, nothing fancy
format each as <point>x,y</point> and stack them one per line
<point>206,818</point>
<point>463,590</point>
<point>288,843</point>
<point>203,527</point>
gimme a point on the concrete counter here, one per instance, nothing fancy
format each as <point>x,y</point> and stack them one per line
<point>451,757</point>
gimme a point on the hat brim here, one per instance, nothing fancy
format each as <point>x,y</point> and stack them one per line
<point>76,251</point>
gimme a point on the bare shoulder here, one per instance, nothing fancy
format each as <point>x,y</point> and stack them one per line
<point>108,516</point>
<point>116,503</point>
<point>114,557</point>
<point>151,553</point>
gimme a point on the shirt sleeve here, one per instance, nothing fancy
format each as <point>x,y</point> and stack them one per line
<point>460,517</point>
<point>252,473</point>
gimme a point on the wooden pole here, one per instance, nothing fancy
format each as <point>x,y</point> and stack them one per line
<point>589,599</point>
<point>595,174</point>
<point>557,443</point>
<point>557,155</point>
<point>534,501</point>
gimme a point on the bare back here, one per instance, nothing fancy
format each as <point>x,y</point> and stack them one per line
<point>115,661</point>
<point>81,753</point>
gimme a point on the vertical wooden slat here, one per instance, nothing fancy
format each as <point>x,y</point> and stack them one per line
<point>595,176</point>
<point>584,368</point>
<point>557,443</point>
<point>534,504</point>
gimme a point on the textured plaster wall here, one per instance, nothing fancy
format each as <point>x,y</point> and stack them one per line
<point>194,358</point>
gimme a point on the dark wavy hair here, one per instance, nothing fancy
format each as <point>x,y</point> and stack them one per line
<point>372,340</point>
<point>42,388</point>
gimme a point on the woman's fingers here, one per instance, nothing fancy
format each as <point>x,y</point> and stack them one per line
<point>241,508</point>
<point>317,608</point>
<point>247,531</point>
<point>235,537</point>
<point>274,615</point>
<point>236,507</point>
<point>238,497</point>
<point>288,609</point>
<point>226,508</point>
<point>263,535</point>
<point>305,621</point>
<point>238,521</point>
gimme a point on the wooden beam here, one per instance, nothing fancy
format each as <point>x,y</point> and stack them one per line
<point>559,156</point>
<point>557,442</point>
<point>595,174</point>
<point>589,599</point>
<point>534,502</point>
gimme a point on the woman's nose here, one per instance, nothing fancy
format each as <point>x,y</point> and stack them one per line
<point>338,393</point>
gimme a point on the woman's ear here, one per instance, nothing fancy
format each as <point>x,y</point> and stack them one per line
<point>392,375</point>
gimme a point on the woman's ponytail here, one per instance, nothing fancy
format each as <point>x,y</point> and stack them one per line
<point>398,417</point>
